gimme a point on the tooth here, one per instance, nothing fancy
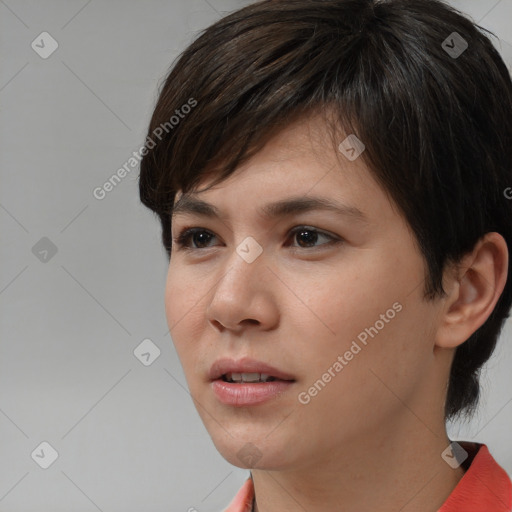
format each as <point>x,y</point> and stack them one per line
<point>250,377</point>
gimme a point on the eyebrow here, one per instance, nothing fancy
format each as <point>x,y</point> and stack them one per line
<point>188,204</point>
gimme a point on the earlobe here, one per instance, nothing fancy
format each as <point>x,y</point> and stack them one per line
<point>474,291</point>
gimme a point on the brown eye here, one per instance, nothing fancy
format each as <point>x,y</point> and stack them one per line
<point>198,236</point>
<point>307,237</point>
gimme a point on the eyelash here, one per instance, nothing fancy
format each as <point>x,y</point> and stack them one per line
<point>185,235</point>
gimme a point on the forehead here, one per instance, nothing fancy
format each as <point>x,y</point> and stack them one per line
<point>288,206</point>
<point>300,157</point>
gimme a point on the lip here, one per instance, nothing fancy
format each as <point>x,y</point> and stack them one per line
<point>245,365</point>
<point>250,393</point>
<point>240,395</point>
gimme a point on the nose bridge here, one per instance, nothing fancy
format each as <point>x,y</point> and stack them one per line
<point>237,295</point>
<point>245,264</point>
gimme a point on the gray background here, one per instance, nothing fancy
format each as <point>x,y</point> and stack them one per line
<point>127,435</point>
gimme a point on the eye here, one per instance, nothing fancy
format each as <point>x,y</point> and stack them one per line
<point>310,235</point>
<point>199,238</point>
<point>187,234</point>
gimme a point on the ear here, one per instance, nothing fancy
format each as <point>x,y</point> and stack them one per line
<point>473,288</point>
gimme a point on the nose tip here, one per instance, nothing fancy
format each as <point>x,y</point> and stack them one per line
<point>241,297</point>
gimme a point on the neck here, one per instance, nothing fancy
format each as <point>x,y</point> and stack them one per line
<point>400,469</point>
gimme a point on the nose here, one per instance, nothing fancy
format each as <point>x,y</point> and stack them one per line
<point>244,293</point>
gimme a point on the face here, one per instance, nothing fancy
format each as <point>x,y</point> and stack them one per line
<point>327,302</point>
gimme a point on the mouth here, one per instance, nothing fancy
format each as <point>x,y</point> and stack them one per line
<point>246,370</point>
<point>241,378</point>
<point>247,382</point>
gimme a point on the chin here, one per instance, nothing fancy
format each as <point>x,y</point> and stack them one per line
<point>252,451</point>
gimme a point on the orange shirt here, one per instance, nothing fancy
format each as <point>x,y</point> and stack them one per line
<point>485,487</point>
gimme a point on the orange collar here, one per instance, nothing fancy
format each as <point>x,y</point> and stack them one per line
<point>485,486</point>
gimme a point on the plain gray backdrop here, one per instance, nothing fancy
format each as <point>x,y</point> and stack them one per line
<point>82,279</point>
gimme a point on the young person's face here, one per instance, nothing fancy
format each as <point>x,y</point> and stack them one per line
<point>304,304</point>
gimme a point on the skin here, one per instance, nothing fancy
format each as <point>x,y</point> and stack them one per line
<point>372,438</point>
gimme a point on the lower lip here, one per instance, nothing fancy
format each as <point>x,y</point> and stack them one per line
<point>239,395</point>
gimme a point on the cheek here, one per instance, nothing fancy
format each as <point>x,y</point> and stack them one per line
<point>334,307</point>
<point>183,293</point>
<point>183,311</point>
<point>372,315</point>
<point>370,383</point>
<point>174,290</point>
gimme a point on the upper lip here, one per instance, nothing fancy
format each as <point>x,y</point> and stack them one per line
<point>245,365</point>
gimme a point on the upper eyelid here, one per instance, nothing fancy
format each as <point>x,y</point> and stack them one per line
<point>184,229</point>
<point>189,230</point>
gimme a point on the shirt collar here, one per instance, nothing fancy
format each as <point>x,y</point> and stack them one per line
<point>484,486</point>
